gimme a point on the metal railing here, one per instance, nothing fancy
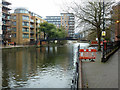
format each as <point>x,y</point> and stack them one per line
<point>75,80</point>
<point>108,49</point>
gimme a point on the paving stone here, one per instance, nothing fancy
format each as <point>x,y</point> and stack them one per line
<point>101,75</point>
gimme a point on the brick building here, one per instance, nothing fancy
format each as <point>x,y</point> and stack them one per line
<point>116,20</point>
<point>25,26</point>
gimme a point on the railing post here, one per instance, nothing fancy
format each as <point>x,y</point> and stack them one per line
<point>103,53</point>
<point>78,67</point>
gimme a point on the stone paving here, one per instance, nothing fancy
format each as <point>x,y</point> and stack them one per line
<point>101,75</point>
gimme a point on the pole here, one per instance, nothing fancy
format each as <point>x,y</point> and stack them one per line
<point>103,30</point>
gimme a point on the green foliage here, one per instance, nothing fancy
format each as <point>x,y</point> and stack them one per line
<point>50,31</point>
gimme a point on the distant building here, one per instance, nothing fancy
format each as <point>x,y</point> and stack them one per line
<point>25,26</point>
<point>6,20</point>
<point>67,20</point>
<point>56,20</point>
<point>116,20</point>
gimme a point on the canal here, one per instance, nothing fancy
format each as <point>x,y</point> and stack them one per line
<point>45,67</point>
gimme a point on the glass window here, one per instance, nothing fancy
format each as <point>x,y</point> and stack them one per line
<point>20,10</point>
<point>14,29</point>
<point>38,21</point>
<point>25,23</point>
<point>14,23</point>
<point>25,29</point>
<point>14,35</point>
<point>25,17</point>
<point>14,17</point>
<point>25,35</point>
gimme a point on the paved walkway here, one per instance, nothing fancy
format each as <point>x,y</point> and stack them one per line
<point>101,75</point>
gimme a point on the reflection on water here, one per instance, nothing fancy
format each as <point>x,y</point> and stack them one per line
<point>46,67</point>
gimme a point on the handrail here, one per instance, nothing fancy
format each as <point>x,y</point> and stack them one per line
<point>75,80</point>
<point>109,49</point>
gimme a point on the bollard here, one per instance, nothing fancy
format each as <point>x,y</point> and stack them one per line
<point>87,85</point>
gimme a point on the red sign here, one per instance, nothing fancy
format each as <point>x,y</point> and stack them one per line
<point>87,53</point>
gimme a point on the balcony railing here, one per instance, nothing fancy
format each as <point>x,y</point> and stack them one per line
<point>32,32</point>
<point>32,37</point>
<point>9,29</point>
<point>6,6</point>
<point>31,26</point>
<point>25,30</point>
<point>32,21</point>
<point>25,25</point>
<point>6,12</point>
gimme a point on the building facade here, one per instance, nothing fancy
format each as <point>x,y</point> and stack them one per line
<point>25,26</point>
<point>116,20</point>
<point>66,20</point>
<point>6,22</point>
<point>56,20</point>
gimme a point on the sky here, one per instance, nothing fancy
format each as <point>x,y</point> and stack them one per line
<point>41,7</point>
<point>44,7</point>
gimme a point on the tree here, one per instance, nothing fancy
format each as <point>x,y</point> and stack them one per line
<point>90,16</point>
<point>50,31</point>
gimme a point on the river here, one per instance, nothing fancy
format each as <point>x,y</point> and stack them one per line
<point>45,67</point>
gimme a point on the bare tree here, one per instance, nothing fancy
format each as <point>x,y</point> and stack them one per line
<point>90,15</point>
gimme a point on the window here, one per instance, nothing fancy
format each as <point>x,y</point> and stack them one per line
<point>8,17</point>
<point>14,17</point>
<point>25,35</point>
<point>20,10</point>
<point>25,23</point>
<point>25,29</point>
<point>14,29</point>
<point>25,17</point>
<point>14,23</point>
<point>14,35</point>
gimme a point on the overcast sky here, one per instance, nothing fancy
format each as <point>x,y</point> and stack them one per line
<point>43,7</point>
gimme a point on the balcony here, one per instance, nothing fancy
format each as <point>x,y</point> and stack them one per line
<point>6,12</point>
<point>6,24</point>
<point>32,21</point>
<point>25,25</point>
<point>25,30</point>
<point>6,7</point>
<point>9,29</point>
<point>38,21</point>
<point>32,37</point>
<point>31,32</point>
<point>31,26</point>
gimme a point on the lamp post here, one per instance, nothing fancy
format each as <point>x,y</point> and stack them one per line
<point>103,32</point>
<point>118,34</point>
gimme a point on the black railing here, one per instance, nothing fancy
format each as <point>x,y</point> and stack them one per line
<point>75,80</point>
<point>109,49</point>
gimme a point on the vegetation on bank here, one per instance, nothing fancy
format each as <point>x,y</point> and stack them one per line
<point>51,31</point>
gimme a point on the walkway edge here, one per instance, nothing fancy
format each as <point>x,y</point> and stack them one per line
<point>80,74</point>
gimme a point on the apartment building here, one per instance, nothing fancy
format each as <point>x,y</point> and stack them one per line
<point>116,20</point>
<point>56,20</point>
<point>25,26</point>
<point>66,20</point>
<point>6,20</point>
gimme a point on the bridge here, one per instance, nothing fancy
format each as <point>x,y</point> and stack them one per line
<point>58,39</point>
